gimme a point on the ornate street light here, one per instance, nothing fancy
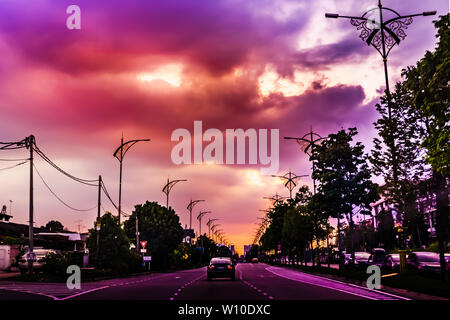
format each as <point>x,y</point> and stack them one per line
<point>383,35</point>
<point>119,154</point>
<point>290,181</point>
<point>307,143</point>
<point>168,187</point>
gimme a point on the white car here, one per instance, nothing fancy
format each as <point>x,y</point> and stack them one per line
<point>38,263</point>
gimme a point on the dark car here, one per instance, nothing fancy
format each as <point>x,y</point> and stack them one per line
<point>221,267</point>
<point>377,258</point>
<point>392,262</point>
<point>360,260</point>
<point>424,262</point>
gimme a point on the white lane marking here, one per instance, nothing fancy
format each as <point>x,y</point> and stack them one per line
<point>271,269</point>
<point>81,293</point>
<point>252,286</point>
<point>184,286</point>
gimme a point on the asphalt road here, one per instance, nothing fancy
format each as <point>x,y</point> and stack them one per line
<point>253,282</point>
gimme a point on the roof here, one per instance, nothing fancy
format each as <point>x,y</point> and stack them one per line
<point>70,236</point>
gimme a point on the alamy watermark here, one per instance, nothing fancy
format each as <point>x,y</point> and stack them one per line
<point>374,280</point>
<point>257,141</point>
<point>74,279</point>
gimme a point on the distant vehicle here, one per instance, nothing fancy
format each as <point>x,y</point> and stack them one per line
<point>255,260</point>
<point>38,264</point>
<point>424,262</point>
<point>347,259</point>
<point>221,267</point>
<point>392,262</point>
<point>378,257</point>
<point>360,261</point>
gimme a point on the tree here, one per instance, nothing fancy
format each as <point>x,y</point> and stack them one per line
<point>113,251</point>
<point>273,234</point>
<point>344,174</point>
<point>406,126</point>
<point>160,227</point>
<point>297,232</point>
<point>54,226</point>
<point>429,87</point>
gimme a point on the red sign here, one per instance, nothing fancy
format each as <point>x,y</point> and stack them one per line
<point>143,244</point>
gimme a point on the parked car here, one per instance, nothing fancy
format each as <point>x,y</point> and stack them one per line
<point>392,262</point>
<point>359,262</point>
<point>424,263</point>
<point>220,268</point>
<point>347,258</point>
<point>378,257</point>
<point>38,263</point>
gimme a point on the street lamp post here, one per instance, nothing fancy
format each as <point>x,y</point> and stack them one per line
<point>199,218</point>
<point>308,142</point>
<point>383,36</point>
<point>168,187</point>
<point>290,181</point>
<point>275,199</point>
<point>209,226</point>
<point>119,154</point>
<point>190,206</point>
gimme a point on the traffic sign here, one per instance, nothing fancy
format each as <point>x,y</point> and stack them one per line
<point>143,250</point>
<point>31,256</point>
<point>147,258</point>
<point>143,244</point>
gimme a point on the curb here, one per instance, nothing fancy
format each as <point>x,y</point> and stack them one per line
<point>397,291</point>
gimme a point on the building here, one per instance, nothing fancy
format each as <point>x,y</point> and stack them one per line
<point>247,248</point>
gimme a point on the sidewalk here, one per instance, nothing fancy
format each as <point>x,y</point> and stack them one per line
<point>6,274</point>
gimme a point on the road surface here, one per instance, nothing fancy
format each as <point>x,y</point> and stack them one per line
<point>253,282</point>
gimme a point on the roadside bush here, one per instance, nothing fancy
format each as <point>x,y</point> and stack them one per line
<point>55,264</point>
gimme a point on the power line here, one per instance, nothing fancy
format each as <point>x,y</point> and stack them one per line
<point>13,160</point>
<point>84,181</point>
<point>13,166</point>
<point>105,191</point>
<point>57,197</point>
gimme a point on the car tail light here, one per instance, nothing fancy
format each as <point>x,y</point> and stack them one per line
<point>210,267</point>
<point>230,267</point>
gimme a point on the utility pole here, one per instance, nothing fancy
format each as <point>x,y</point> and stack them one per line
<point>137,233</point>
<point>99,205</point>
<point>119,154</point>
<point>30,256</point>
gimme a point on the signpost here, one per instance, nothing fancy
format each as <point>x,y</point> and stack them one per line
<point>145,258</point>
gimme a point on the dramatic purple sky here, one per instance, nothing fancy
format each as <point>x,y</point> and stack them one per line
<point>146,68</point>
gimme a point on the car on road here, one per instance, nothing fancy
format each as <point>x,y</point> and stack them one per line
<point>255,260</point>
<point>392,262</point>
<point>38,264</point>
<point>221,267</point>
<point>424,263</point>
